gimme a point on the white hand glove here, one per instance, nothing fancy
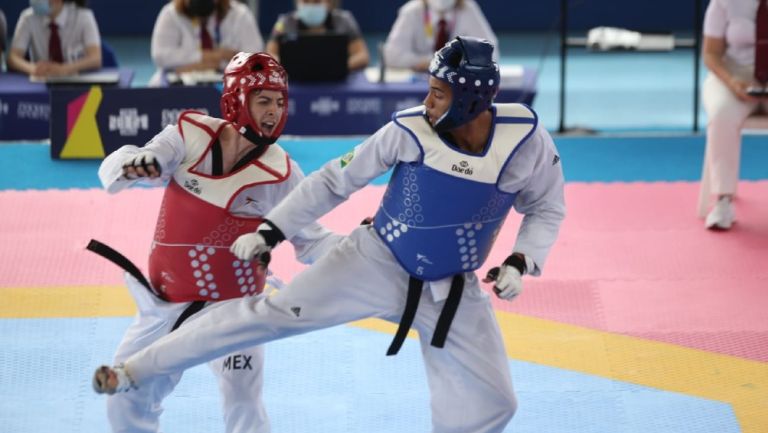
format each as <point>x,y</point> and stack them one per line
<point>249,245</point>
<point>509,283</point>
<point>142,164</point>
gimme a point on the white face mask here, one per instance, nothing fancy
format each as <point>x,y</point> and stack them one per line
<point>40,7</point>
<point>312,15</point>
<point>441,5</point>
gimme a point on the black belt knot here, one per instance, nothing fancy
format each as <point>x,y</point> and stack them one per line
<point>415,287</point>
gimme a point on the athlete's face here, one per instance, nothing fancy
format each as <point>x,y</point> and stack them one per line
<point>266,108</point>
<point>438,99</point>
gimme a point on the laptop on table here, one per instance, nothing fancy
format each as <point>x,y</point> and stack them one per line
<point>315,58</point>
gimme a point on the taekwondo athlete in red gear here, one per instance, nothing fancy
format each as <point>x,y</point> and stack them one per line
<point>460,163</point>
<point>223,175</point>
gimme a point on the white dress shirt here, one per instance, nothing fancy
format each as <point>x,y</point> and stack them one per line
<point>412,37</point>
<point>77,30</point>
<point>733,21</point>
<point>176,38</point>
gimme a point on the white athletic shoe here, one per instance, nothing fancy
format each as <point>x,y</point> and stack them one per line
<point>110,380</point>
<point>721,216</point>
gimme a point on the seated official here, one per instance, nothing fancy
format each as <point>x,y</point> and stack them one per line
<point>320,17</point>
<point>424,26</point>
<point>201,35</point>
<point>55,38</point>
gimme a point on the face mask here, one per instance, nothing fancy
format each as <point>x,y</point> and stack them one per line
<point>441,5</point>
<point>312,15</point>
<point>40,7</point>
<point>201,8</point>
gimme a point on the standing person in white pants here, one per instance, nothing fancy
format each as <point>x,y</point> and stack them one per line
<point>223,176</point>
<point>729,54</point>
<point>460,164</point>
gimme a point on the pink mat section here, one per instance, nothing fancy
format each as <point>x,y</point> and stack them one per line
<point>45,233</point>
<point>634,259</point>
<point>631,259</point>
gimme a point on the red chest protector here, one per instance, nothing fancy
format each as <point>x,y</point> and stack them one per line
<point>190,258</point>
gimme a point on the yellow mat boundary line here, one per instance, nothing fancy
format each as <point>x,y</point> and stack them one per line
<point>740,382</point>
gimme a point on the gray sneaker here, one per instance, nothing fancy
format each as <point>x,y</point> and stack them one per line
<point>110,380</point>
<point>721,216</point>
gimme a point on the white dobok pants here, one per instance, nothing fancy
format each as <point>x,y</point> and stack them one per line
<point>726,115</point>
<point>469,380</point>
<point>239,374</point>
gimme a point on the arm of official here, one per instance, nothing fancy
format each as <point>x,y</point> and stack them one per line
<point>400,47</point>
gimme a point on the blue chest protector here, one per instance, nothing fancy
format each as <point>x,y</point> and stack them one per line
<point>440,216</point>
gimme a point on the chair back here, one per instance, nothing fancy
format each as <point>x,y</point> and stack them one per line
<point>108,57</point>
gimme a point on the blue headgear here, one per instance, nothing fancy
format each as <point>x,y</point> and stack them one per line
<point>466,63</point>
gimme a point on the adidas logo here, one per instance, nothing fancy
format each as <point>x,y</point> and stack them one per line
<point>296,311</point>
<point>556,159</point>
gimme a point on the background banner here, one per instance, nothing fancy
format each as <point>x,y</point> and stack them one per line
<point>92,123</point>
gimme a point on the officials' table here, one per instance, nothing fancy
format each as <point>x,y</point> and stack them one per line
<point>25,105</point>
<point>93,122</point>
<point>361,105</point>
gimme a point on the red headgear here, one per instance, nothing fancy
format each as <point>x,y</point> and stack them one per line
<point>245,73</point>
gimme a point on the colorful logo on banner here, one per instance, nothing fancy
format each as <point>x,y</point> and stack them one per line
<point>83,137</point>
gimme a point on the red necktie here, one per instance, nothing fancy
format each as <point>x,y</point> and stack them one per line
<point>442,34</point>
<point>54,44</point>
<point>761,43</point>
<point>205,38</point>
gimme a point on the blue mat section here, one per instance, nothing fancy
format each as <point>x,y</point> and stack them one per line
<point>650,159</point>
<point>585,159</point>
<point>29,166</point>
<point>330,381</point>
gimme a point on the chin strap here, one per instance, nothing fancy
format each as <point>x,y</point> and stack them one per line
<point>261,146</point>
<point>255,138</point>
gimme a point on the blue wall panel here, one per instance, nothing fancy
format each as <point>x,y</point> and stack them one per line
<point>376,16</point>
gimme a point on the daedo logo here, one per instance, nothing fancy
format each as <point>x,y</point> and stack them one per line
<point>462,167</point>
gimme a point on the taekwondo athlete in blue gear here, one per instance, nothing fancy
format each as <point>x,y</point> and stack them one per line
<point>460,163</point>
<point>452,236</point>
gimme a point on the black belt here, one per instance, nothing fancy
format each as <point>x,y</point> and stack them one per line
<point>415,286</point>
<point>193,308</point>
<point>120,260</point>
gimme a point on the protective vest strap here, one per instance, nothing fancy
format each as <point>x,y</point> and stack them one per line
<point>120,260</point>
<point>415,286</point>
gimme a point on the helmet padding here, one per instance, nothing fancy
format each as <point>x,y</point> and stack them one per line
<point>245,73</point>
<point>467,65</point>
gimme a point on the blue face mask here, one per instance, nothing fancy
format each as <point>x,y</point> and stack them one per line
<point>312,15</point>
<point>40,7</point>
